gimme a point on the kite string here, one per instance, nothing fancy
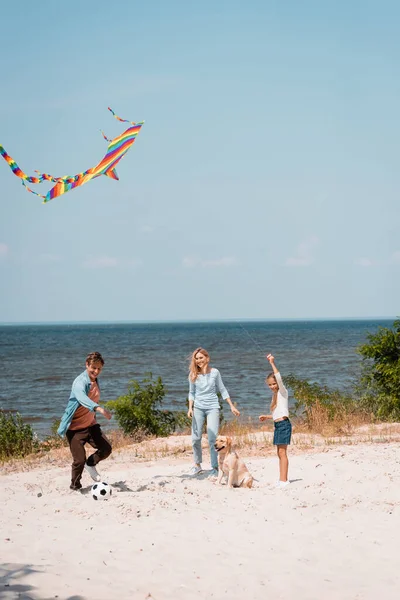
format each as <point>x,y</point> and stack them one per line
<point>252,339</point>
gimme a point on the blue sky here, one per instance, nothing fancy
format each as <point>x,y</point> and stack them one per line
<point>265,182</point>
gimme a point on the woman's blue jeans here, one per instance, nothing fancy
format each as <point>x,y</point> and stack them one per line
<point>200,415</point>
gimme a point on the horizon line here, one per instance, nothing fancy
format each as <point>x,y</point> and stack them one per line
<point>187,321</point>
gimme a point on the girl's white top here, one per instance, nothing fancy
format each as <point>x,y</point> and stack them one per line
<point>282,406</point>
<point>203,391</point>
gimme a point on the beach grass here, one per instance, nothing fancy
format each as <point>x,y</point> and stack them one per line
<point>250,438</point>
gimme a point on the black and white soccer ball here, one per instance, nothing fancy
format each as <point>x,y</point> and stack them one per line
<point>101,491</point>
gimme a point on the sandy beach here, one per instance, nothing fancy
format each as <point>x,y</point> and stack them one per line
<point>332,534</point>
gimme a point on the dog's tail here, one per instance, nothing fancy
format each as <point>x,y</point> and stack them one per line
<point>247,481</point>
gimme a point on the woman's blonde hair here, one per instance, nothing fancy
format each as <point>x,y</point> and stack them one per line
<point>274,400</point>
<point>194,370</point>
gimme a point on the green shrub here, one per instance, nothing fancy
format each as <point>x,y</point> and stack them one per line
<point>307,394</point>
<point>221,410</point>
<point>54,427</point>
<point>182,421</point>
<point>319,407</point>
<point>17,438</point>
<point>54,440</point>
<point>138,413</point>
<point>379,386</point>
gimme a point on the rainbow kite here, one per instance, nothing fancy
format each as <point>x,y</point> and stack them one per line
<point>117,148</point>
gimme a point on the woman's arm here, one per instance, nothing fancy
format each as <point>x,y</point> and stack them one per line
<point>191,399</point>
<point>233,408</point>
<point>190,411</point>
<point>224,393</point>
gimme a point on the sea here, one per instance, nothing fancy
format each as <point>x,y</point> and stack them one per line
<point>40,361</point>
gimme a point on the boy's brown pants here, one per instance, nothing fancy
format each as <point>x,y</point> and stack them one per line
<point>77,440</point>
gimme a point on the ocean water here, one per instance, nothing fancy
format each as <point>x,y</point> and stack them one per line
<point>40,362</point>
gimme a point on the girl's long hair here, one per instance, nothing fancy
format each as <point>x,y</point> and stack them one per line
<point>274,400</point>
<point>194,370</point>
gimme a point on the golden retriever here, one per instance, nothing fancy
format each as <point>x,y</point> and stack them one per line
<point>231,465</point>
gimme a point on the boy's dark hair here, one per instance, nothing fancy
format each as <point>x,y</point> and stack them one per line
<point>94,357</point>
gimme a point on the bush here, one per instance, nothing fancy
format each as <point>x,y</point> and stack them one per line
<point>54,427</point>
<point>54,440</point>
<point>375,396</point>
<point>17,439</point>
<point>319,407</point>
<point>379,385</point>
<point>138,413</point>
<point>182,422</point>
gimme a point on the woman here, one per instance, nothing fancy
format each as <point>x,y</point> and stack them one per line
<point>204,384</point>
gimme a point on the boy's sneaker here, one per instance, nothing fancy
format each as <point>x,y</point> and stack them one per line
<point>213,474</point>
<point>92,472</point>
<point>195,470</point>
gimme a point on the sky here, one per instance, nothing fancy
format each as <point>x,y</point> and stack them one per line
<point>264,184</point>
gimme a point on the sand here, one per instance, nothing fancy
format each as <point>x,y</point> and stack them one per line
<point>332,534</point>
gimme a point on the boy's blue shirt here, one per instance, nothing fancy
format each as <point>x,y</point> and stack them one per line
<point>79,396</point>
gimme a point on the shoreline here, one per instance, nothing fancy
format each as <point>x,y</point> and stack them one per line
<point>311,350</point>
<point>166,536</point>
<point>255,442</point>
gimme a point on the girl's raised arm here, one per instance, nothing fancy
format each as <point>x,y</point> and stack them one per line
<point>278,377</point>
<point>271,360</point>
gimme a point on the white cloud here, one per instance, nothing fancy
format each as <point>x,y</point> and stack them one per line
<point>4,250</point>
<point>131,262</point>
<point>226,261</point>
<point>109,262</point>
<point>294,261</point>
<point>49,258</point>
<point>100,262</point>
<point>304,254</point>
<point>395,258</point>
<point>366,262</point>
<point>192,261</point>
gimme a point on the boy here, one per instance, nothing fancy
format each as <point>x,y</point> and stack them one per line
<point>79,422</point>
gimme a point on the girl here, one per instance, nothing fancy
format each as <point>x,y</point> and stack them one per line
<point>204,383</point>
<point>280,416</point>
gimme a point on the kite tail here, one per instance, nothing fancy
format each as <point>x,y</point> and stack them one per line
<point>19,173</point>
<point>119,118</point>
<point>33,191</point>
<point>47,177</point>
<point>105,137</point>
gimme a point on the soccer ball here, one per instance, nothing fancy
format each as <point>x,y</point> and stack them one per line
<point>101,491</point>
